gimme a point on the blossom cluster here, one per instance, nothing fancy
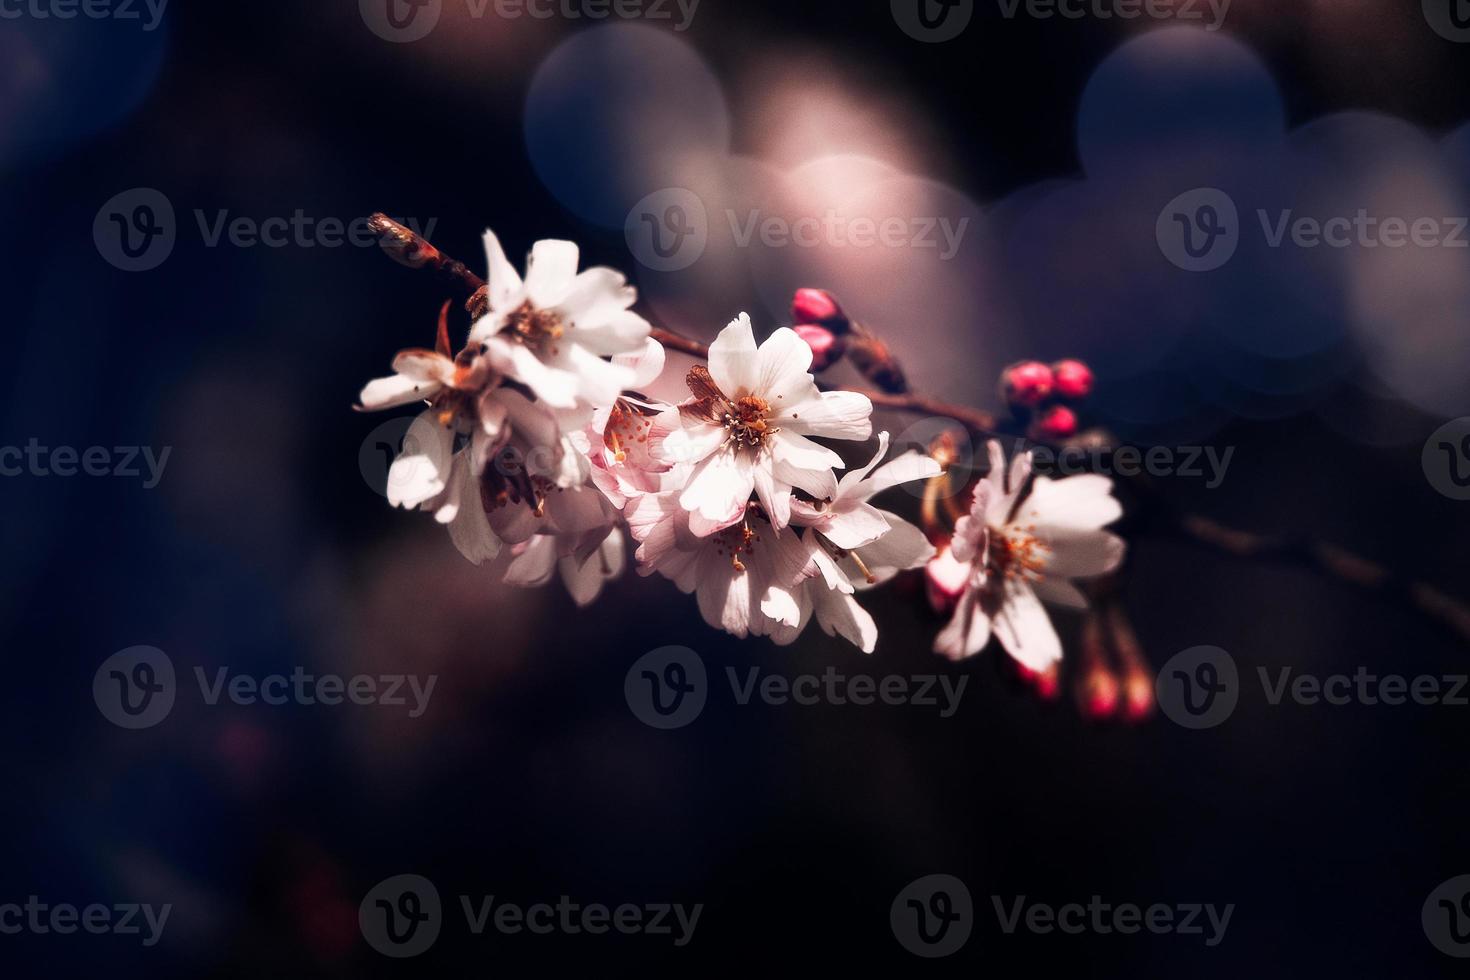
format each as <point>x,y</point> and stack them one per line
<point>537,450</point>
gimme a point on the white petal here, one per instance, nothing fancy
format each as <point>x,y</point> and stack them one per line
<point>1079,554</point>
<point>584,580</point>
<point>856,526</point>
<point>734,360</point>
<point>780,605</point>
<point>534,565</point>
<point>601,382</point>
<point>422,469</point>
<point>832,415</point>
<point>424,365</point>
<point>397,390</point>
<point>1059,592</point>
<point>848,485</point>
<point>800,452</point>
<point>647,363</point>
<point>470,530</point>
<point>907,468</point>
<point>556,386</point>
<point>720,487</point>
<point>840,615</point>
<point>783,367</point>
<point>775,497</point>
<point>1083,502</point>
<point>504,282</point>
<point>550,271</point>
<point>724,594</point>
<point>1024,629</point>
<point>903,547</point>
<point>970,531</point>
<point>968,630</point>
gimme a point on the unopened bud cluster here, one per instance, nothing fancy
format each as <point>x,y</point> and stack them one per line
<point>1045,396</point>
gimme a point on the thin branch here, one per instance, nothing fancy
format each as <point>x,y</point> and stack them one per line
<point>409,248</point>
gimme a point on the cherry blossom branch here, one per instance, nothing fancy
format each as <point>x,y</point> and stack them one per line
<point>409,248</point>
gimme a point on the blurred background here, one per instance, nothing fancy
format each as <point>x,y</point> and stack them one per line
<point>1055,143</point>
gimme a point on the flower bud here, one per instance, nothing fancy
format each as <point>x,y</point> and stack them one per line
<point>1054,424</point>
<point>1073,379</point>
<point>1028,383</point>
<point>1048,683</point>
<point>1138,695</point>
<point>817,306</point>
<point>827,347</point>
<point>945,580</point>
<point>1098,693</point>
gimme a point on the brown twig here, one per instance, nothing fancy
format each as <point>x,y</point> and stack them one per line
<point>409,248</point>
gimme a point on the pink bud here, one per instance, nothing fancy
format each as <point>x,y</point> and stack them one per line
<point>1098,694</point>
<point>1138,695</point>
<point>1073,379</point>
<point>945,580</point>
<point>1028,383</point>
<point>1054,424</point>
<point>817,306</point>
<point>1048,683</point>
<point>827,347</point>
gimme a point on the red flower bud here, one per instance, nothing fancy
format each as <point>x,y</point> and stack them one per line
<point>1098,693</point>
<point>817,306</point>
<point>1073,379</point>
<point>827,347</point>
<point>1028,383</point>
<point>1138,695</point>
<point>1056,423</point>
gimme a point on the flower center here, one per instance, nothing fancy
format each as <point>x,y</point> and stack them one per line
<point>747,422</point>
<point>540,329</point>
<point>736,541</point>
<point>1017,553</point>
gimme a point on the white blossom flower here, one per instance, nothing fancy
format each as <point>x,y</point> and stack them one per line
<point>746,578</point>
<point>747,427</point>
<point>856,546</point>
<point>1022,547</point>
<point>555,327</point>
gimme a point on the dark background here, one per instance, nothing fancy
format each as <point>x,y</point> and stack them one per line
<point>264,547</point>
